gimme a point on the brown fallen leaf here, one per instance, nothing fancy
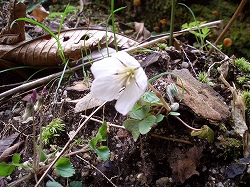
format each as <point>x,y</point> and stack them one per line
<point>7,142</point>
<point>238,104</point>
<point>16,33</point>
<point>78,86</point>
<point>184,164</point>
<point>6,150</point>
<point>43,51</point>
<point>40,13</point>
<point>7,154</point>
<point>142,32</point>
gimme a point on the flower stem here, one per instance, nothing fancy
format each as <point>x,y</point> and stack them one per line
<point>158,94</point>
<point>192,128</point>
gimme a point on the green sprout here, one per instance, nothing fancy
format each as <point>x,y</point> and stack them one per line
<point>52,130</point>
<point>203,77</point>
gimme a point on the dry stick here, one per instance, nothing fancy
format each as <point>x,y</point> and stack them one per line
<point>97,170</point>
<point>48,78</point>
<point>226,29</point>
<point>68,143</point>
<point>171,139</point>
<point>37,82</point>
<point>166,36</point>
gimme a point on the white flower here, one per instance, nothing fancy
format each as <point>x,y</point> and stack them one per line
<point>116,72</point>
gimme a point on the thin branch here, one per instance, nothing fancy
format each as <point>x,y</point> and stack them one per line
<point>68,143</point>
<point>226,29</point>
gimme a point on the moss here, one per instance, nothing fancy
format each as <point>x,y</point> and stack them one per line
<point>243,65</point>
<point>246,96</point>
<point>232,147</point>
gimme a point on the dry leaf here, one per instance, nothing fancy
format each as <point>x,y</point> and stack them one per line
<point>43,51</point>
<point>78,86</point>
<point>6,150</point>
<point>184,165</point>
<point>238,104</point>
<point>17,32</point>
<point>40,13</point>
<point>87,102</point>
<point>142,32</point>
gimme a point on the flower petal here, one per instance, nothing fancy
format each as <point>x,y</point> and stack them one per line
<point>130,96</point>
<point>141,79</point>
<point>106,66</point>
<point>126,59</point>
<point>104,88</point>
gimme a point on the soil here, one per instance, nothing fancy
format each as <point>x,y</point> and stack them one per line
<point>166,156</point>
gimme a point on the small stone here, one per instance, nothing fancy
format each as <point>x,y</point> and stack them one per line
<point>184,65</point>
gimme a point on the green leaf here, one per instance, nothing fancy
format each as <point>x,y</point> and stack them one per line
<point>146,124</point>
<point>64,167</point>
<point>16,158</point>
<point>205,31</point>
<point>206,132</point>
<point>140,113</point>
<point>150,97</point>
<point>6,169</point>
<point>132,125</point>
<point>53,184</point>
<point>102,133</point>
<point>159,118</point>
<point>100,136</point>
<point>75,184</point>
<point>103,152</point>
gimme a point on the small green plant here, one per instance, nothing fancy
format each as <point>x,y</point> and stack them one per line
<point>243,65</point>
<point>7,169</point>
<point>142,119</point>
<point>202,33</point>
<point>203,77</point>
<point>102,151</point>
<point>52,130</point>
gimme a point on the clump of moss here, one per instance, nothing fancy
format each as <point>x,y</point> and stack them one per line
<point>231,146</point>
<point>203,77</point>
<point>52,130</point>
<point>242,80</point>
<point>246,97</point>
<point>243,65</point>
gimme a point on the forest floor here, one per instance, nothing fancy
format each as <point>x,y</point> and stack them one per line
<point>166,156</point>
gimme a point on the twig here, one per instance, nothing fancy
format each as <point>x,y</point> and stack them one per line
<point>160,97</point>
<point>48,78</point>
<point>108,123</point>
<point>68,143</point>
<point>17,182</point>
<point>97,170</point>
<point>171,139</point>
<point>226,29</point>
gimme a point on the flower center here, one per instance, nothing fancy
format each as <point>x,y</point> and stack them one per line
<point>123,77</point>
